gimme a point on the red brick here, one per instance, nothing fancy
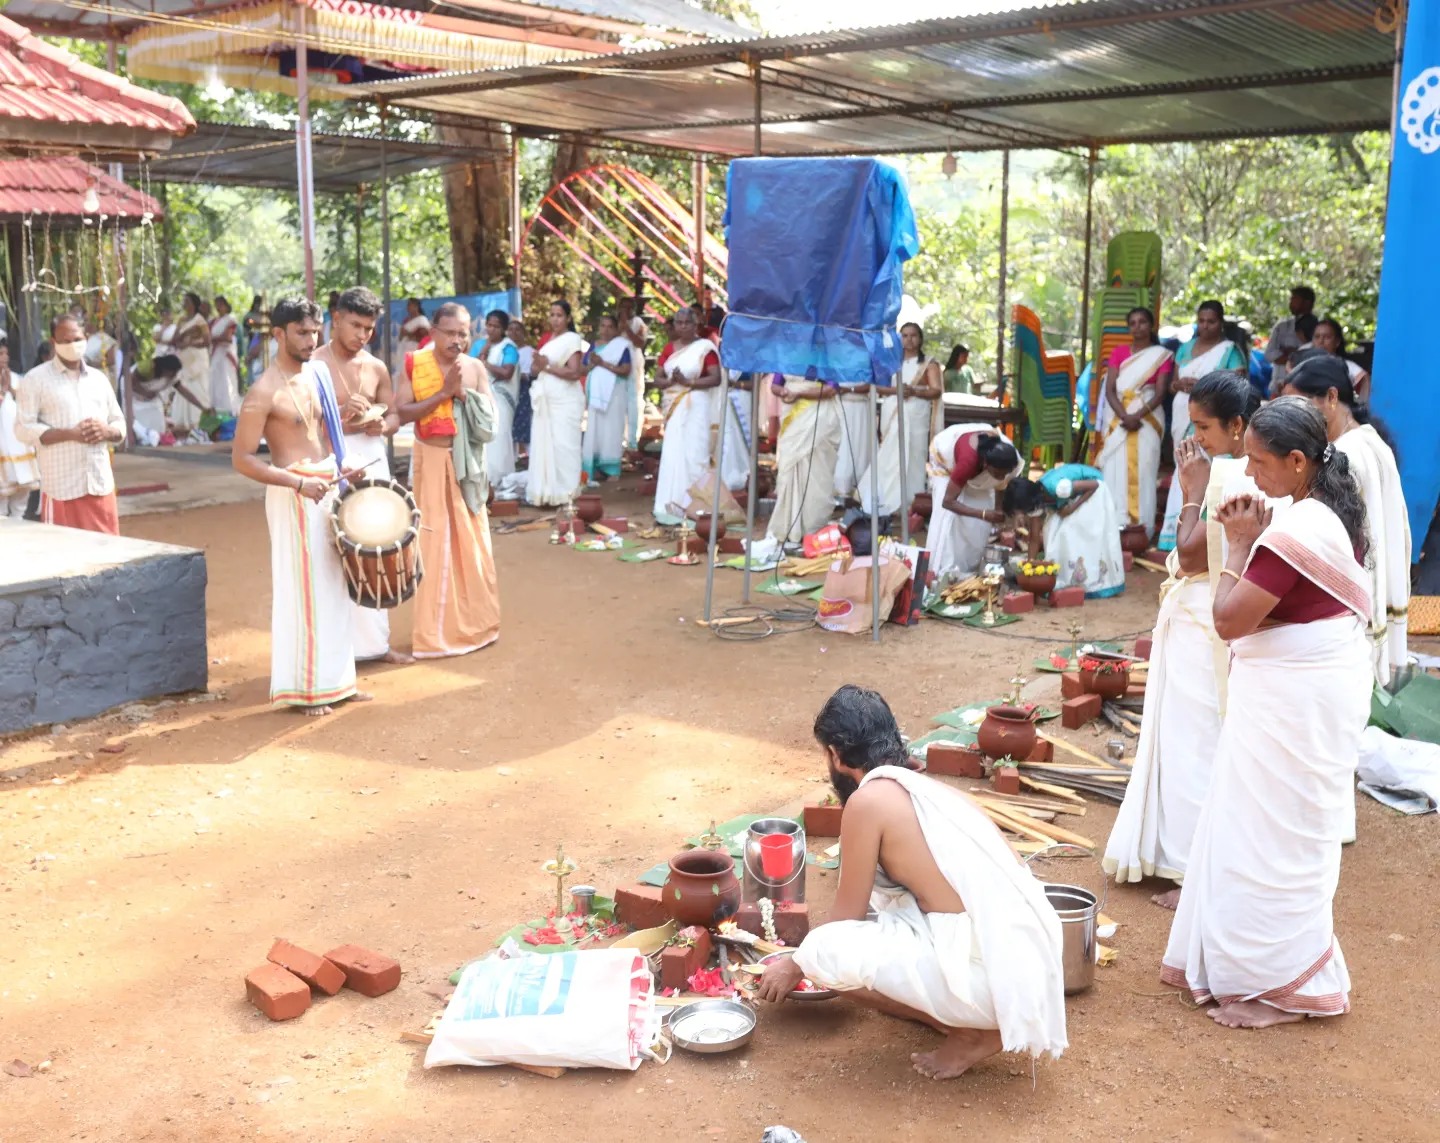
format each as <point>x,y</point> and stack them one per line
<point>1135,690</point>
<point>1076,712</point>
<point>679,963</point>
<point>504,508</point>
<point>1005,780</point>
<point>1067,597</point>
<point>949,760</point>
<point>730,545</point>
<point>615,523</point>
<point>1017,602</point>
<point>1129,558</point>
<point>1070,685</point>
<point>368,973</point>
<point>823,821</point>
<point>279,994</point>
<point>1044,751</point>
<point>792,922</point>
<point>639,906</point>
<point>1143,646</point>
<point>1153,556</point>
<point>310,967</point>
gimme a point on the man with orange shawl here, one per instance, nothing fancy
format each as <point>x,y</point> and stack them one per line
<point>447,394</point>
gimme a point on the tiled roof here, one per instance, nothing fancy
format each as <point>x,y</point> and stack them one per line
<point>43,87</point>
<point>56,187</point>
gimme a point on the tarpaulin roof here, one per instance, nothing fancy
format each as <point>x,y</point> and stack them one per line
<point>1083,73</point>
<point>49,100</point>
<point>816,247</point>
<point>56,187</point>
<point>229,154</point>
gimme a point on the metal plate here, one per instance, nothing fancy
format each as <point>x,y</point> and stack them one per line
<point>711,1026</point>
<point>806,997</point>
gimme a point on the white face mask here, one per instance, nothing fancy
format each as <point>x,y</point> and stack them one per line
<point>70,351</point>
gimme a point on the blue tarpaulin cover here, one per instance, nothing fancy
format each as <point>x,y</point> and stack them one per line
<point>815,249</point>
<point>1407,391</point>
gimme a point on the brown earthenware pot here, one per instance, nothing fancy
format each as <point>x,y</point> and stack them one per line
<point>923,504</point>
<point>1107,684</point>
<point>1035,584</point>
<point>705,522</point>
<point>1007,732</point>
<point>702,888</point>
<point>1134,539</point>
<point>589,507</point>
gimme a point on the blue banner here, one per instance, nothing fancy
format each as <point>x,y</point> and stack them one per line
<point>1406,391</point>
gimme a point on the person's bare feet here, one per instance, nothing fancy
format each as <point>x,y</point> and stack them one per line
<point>1252,1014</point>
<point>399,658</point>
<point>317,711</point>
<point>962,1050</point>
<point>1170,900</point>
<point>361,696</point>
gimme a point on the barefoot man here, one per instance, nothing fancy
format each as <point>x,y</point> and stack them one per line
<point>367,414</point>
<point>447,394</point>
<point>312,657</point>
<point>963,938</point>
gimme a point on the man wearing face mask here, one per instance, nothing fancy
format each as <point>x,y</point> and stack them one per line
<point>69,412</point>
<point>935,918</point>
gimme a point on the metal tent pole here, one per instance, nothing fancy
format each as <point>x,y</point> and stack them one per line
<point>900,441</point>
<point>874,522</point>
<point>516,230</point>
<point>698,212</point>
<point>304,157</point>
<point>385,232</point>
<point>1000,318</point>
<point>359,234</point>
<point>754,481</point>
<point>1089,240</point>
<point>759,101</point>
<point>719,484</point>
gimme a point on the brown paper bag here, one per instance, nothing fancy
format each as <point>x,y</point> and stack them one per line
<point>847,602</point>
<point>702,499</point>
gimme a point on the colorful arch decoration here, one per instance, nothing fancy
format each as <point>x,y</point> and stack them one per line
<point>612,212</point>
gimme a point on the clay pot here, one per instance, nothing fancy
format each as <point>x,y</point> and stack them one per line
<point>923,504</point>
<point>1134,539</point>
<point>650,464</point>
<point>589,507</point>
<point>1035,584</point>
<point>705,523</point>
<point>702,888</point>
<point>765,483</point>
<point>1007,732</point>
<point>1108,684</point>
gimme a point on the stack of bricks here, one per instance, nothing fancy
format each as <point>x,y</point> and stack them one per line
<point>281,987</point>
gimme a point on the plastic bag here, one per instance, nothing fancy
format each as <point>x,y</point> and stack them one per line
<point>584,1009</point>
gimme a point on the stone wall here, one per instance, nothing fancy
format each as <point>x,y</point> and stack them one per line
<point>114,621</point>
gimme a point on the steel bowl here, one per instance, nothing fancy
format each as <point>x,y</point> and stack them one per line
<point>712,1026</point>
<point>816,994</point>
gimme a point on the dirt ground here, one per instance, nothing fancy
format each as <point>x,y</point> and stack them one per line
<point>138,888</point>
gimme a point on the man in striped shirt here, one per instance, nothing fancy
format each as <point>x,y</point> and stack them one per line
<point>69,412</point>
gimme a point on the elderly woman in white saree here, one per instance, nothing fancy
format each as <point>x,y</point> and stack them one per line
<point>968,467</point>
<point>1324,380</point>
<point>805,457</point>
<point>1129,424</point>
<point>915,395</point>
<point>1189,665</point>
<point>1254,929</point>
<point>558,400</point>
<point>192,346</point>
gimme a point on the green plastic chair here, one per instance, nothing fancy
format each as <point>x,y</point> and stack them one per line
<point>1044,389</point>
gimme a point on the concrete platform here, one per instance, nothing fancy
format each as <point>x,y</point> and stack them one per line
<point>89,622</point>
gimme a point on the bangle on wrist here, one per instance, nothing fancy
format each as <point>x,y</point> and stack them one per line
<point>1191,504</point>
<point>1232,573</point>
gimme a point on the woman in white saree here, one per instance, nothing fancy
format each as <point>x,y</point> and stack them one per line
<point>224,360</point>
<point>192,346</point>
<point>558,400</point>
<point>1325,381</point>
<point>804,458</point>
<point>1129,423</point>
<point>1254,928</point>
<point>1203,354</point>
<point>968,466</point>
<point>917,391</point>
<point>1189,665</point>
<point>606,392</point>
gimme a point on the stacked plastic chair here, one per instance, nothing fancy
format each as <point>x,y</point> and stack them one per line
<point>1044,389</point>
<point>1132,276</point>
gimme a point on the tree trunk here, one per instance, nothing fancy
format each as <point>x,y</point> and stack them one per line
<point>476,197</point>
<point>570,157</point>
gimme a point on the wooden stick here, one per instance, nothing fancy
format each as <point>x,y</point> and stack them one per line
<point>1063,793</point>
<point>1075,750</point>
<point>1055,831</point>
<point>1004,821</point>
<point>1148,566</point>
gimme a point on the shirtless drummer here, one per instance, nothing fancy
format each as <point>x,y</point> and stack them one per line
<point>312,658</point>
<point>366,398</point>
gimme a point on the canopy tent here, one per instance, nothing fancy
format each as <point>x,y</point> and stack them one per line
<point>230,154</point>
<point>1055,75</point>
